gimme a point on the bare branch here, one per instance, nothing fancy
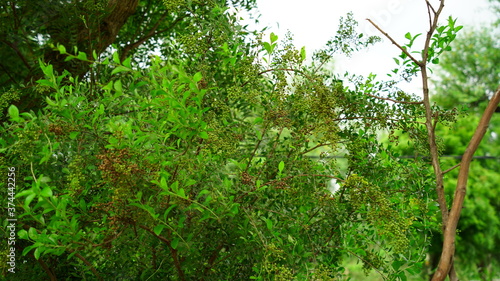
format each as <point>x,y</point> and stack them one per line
<point>152,32</point>
<point>85,261</point>
<point>395,43</point>
<point>18,52</point>
<point>452,168</point>
<point>432,28</point>
<point>396,101</point>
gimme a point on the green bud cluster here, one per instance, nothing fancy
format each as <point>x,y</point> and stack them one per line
<point>117,169</point>
<point>76,178</point>
<point>272,264</point>
<point>96,5</point>
<point>222,140</point>
<point>26,143</point>
<point>372,203</point>
<point>281,272</point>
<point>7,98</point>
<point>323,273</point>
<point>372,260</point>
<point>174,5</point>
<point>194,43</point>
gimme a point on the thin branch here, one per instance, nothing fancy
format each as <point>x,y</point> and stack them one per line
<point>450,169</point>
<point>365,261</point>
<point>281,69</point>
<point>303,175</point>
<point>429,9</point>
<point>152,32</point>
<point>317,146</point>
<point>432,28</point>
<point>8,73</point>
<point>396,101</point>
<point>47,269</point>
<point>372,118</point>
<point>18,52</point>
<point>85,261</point>
<point>419,63</point>
<point>429,6</point>
<point>173,251</point>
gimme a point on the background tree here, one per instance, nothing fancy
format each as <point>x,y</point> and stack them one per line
<point>30,30</point>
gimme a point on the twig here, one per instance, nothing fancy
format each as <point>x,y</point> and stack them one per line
<point>281,69</point>
<point>88,264</point>
<point>450,169</point>
<point>396,101</point>
<point>173,251</point>
<point>317,146</point>
<point>152,32</point>
<point>419,63</point>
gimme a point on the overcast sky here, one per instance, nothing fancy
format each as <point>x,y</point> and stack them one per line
<point>313,22</point>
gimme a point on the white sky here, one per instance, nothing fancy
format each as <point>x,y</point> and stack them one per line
<point>314,22</point>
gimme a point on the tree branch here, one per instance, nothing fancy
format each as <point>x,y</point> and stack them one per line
<point>47,269</point>
<point>18,52</point>
<point>85,261</point>
<point>446,260</point>
<point>152,32</point>
<point>419,63</point>
<point>173,251</point>
<point>451,169</point>
<point>396,101</point>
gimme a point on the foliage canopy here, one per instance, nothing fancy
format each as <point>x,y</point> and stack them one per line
<point>210,160</point>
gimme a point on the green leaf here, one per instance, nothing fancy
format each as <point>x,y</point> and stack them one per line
<point>127,63</point>
<point>408,36</point>
<point>62,49</point>
<point>435,60</point>
<point>29,198</point>
<point>269,224</point>
<point>73,135</point>
<point>197,77</point>
<point>71,255</point>
<point>38,252</point>
<point>181,193</point>
<point>174,243</point>
<point>165,214</point>
<point>303,53</point>
<point>157,230</point>
<point>33,234</point>
<point>203,135</point>
<point>29,248</point>
<point>50,102</point>
<point>13,112</point>
<point>118,86</point>
<point>267,47</point>
<point>46,192</point>
<point>119,69</point>
<point>47,69</point>
<point>281,166</point>
<point>191,182</point>
<point>116,58</point>
<point>273,37</point>
<point>82,56</point>
<point>175,186</point>
<point>24,193</point>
